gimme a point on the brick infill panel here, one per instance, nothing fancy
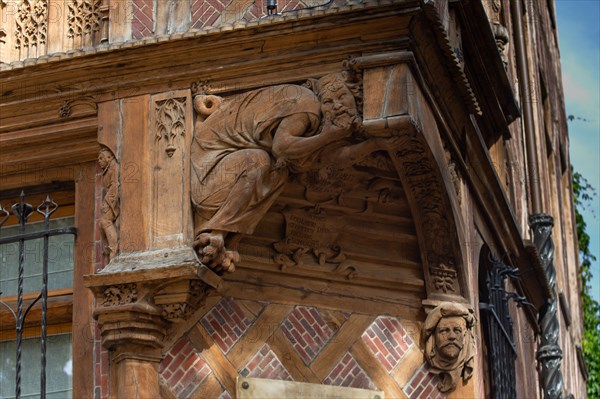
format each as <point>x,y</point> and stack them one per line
<point>266,364</point>
<point>348,373</point>
<point>423,384</point>
<point>307,332</point>
<point>226,323</point>
<point>388,341</point>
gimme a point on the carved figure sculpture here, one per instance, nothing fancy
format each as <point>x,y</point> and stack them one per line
<point>243,152</point>
<point>450,343</point>
<point>110,202</point>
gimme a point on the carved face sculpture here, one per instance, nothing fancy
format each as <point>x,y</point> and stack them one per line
<point>337,104</point>
<point>104,158</point>
<point>450,337</point>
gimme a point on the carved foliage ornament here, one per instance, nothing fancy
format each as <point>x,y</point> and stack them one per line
<point>32,23</point>
<point>170,121</point>
<point>450,343</point>
<point>423,184</point>
<point>119,295</point>
<point>83,17</point>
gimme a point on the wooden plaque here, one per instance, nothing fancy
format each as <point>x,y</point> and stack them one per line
<point>254,388</point>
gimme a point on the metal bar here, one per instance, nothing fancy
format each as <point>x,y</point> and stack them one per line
<point>22,211</point>
<point>490,308</point>
<point>50,207</point>
<point>39,234</point>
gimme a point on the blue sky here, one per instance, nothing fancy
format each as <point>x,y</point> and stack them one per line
<point>579,40</point>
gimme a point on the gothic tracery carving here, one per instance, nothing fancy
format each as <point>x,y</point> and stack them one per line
<point>31,23</point>
<point>83,17</point>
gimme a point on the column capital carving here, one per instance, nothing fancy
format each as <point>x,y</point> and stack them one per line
<point>140,296</point>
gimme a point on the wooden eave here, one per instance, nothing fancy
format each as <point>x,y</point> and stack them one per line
<point>461,132</point>
<point>485,68</point>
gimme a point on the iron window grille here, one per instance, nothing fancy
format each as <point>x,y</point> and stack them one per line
<point>23,211</point>
<point>497,324</point>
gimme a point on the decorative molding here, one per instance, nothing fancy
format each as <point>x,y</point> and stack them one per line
<point>423,183</point>
<point>83,17</point>
<point>170,122</point>
<point>31,23</point>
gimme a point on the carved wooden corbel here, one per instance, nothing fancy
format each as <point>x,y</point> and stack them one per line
<point>139,298</point>
<point>450,344</point>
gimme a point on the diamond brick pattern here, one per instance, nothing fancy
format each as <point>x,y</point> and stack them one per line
<point>226,323</point>
<point>307,332</point>
<point>388,341</point>
<point>142,23</point>
<point>423,384</point>
<point>348,373</point>
<point>206,12</point>
<point>183,368</point>
<point>266,364</point>
<point>225,395</point>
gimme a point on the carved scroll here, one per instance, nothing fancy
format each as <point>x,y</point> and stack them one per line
<point>83,17</point>
<point>32,23</point>
<point>170,122</point>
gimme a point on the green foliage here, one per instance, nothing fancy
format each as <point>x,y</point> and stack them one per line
<point>583,193</point>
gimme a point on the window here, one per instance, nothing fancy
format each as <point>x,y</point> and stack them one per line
<point>497,326</point>
<point>25,292</point>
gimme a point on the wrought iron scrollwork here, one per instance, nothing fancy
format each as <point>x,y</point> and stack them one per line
<point>498,327</point>
<point>22,211</point>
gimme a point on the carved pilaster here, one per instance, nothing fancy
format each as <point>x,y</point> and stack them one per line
<point>549,353</point>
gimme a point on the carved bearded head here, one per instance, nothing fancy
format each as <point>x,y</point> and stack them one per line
<point>338,101</point>
<point>449,343</point>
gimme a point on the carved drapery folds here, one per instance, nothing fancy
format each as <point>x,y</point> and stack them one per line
<point>110,209</point>
<point>170,122</point>
<point>83,17</point>
<point>549,353</point>
<point>450,344</point>
<point>31,24</point>
<point>248,145</point>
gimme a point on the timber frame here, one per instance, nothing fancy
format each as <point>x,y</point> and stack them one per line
<point>59,100</point>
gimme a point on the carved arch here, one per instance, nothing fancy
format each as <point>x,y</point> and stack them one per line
<point>427,175</point>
